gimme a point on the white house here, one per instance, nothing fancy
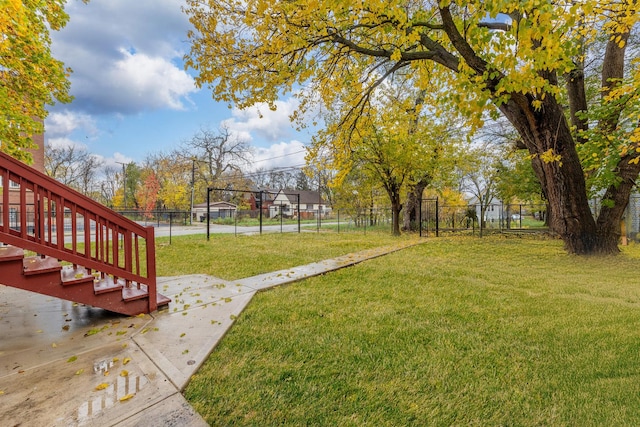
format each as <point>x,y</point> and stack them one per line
<point>310,203</point>
<point>493,210</point>
<point>217,210</point>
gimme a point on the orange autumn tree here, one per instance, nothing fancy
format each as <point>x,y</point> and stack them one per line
<point>148,193</point>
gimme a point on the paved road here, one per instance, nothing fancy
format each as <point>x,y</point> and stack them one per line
<point>182,230</point>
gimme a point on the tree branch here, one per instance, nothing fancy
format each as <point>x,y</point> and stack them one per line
<point>478,64</point>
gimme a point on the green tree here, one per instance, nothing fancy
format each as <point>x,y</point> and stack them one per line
<point>303,181</point>
<point>320,176</point>
<point>480,177</point>
<point>516,181</point>
<point>524,59</point>
<point>356,196</point>
<point>30,77</point>
<point>398,143</point>
<point>127,197</point>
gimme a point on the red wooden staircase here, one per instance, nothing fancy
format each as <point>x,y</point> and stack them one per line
<point>58,242</point>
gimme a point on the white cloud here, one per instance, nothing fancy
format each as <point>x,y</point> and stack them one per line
<point>115,161</point>
<point>129,84</point>
<point>126,56</point>
<point>146,82</point>
<point>282,154</point>
<point>63,123</point>
<point>60,128</point>
<point>65,143</point>
<point>262,121</point>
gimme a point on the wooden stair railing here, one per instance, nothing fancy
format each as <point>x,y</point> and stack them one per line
<point>41,215</point>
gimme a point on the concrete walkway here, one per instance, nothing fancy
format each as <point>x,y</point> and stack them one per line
<point>64,364</point>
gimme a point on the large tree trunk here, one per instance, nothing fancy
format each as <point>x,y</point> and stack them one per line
<point>563,181</point>
<point>396,207</point>
<point>409,216</point>
<point>412,205</point>
<point>610,217</point>
<point>546,131</point>
<point>393,191</point>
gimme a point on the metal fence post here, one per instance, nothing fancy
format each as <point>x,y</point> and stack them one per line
<point>420,217</point>
<point>208,211</point>
<point>437,218</point>
<point>260,198</point>
<point>298,212</point>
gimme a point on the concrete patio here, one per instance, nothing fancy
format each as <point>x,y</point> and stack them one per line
<point>64,364</point>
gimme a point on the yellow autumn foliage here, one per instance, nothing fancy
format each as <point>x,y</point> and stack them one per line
<point>30,77</point>
<point>479,58</point>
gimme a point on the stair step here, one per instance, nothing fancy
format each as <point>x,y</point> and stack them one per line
<point>46,275</point>
<point>133,293</point>
<point>75,276</point>
<point>107,285</point>
<point>11,253</point>
<point>162,300</point>
<point>39,265</point>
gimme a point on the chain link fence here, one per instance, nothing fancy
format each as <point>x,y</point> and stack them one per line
<point>631,221</point>
<point>436,218</point>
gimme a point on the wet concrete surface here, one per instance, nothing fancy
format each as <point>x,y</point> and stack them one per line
<point>67,364</point>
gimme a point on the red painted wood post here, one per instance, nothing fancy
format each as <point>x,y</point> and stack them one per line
<point>151,269</point>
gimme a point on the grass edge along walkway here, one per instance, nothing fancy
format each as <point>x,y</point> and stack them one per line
<point>198,293</point>
<point>502,331</point>
<point>295,274</point>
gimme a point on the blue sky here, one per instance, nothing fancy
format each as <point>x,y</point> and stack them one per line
<point>133,96</point>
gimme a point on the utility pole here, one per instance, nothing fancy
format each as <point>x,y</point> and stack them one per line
<point>193,184</point>
<point>124,185</point>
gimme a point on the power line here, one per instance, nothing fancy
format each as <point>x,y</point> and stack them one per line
<point>279,157</point>
<point>275,170</point>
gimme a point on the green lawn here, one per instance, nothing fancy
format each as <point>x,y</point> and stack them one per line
<point>460,331</point>
<point>233,257</point>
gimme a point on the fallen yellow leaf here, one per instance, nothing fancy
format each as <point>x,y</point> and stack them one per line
<point>127,397</point>
<point>79,371</point>
<point>102,386</point>
<point>124,373</point>
<point>126,360</point>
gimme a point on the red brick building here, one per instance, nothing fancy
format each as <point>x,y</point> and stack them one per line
<point>14,188</point>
